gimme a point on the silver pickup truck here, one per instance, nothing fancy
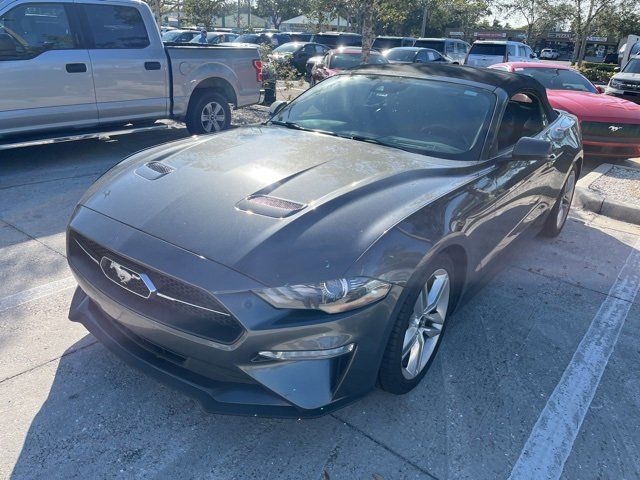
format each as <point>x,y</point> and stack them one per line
<point>77,65</point>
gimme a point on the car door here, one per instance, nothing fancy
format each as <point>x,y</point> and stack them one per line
<point>129,65</point>
<point>523,189</point>
<point>45,73</point>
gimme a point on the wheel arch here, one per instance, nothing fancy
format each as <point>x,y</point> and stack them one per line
<point>214,84</point>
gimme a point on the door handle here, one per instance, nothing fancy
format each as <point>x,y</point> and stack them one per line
<point>76,67</point>
<point>152,65</point>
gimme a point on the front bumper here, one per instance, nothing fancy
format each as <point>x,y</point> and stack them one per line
<point>231,378</point>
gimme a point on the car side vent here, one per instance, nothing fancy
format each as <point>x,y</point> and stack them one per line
<point>154,170</point>
<point>270,206</point>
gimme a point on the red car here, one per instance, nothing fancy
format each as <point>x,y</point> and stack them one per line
<point>341,59</point>
<point>610,125</point>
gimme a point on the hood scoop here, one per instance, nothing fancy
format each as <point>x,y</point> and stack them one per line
<point>269,206</point>
<point>154,170</point>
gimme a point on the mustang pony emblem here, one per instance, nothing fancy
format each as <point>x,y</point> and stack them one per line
<point>135,282</point>
<point>124,275</point>
<point>614,128</point>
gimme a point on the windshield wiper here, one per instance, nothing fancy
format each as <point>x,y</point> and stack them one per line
<point>362,138</point>
<point>295,126</point>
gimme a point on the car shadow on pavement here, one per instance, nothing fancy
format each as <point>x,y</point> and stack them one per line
<point>504,352</point>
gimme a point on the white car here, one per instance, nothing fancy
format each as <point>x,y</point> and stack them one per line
<point>550,53</point>
<point>487,53</point>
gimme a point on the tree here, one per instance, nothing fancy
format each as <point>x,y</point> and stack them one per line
<point>584,15</point>
<point>278,10</point>
<point>201,12</point>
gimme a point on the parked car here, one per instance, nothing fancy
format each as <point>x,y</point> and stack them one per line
<point>179,36</point>
<point>453,48</point>
<point>385,43</point>
<point>341,59</point>
<point>610,126</point>
<point>69,67</point>
<point>550,54</point>
<point>414,55</point>
<point>215,38</point>
<point>295,292</point>
<point>311,64</point>
<point>626,83</point>
<point>487,53</point>
<point>268,38</point>
<point>297,54</point>
<point>337,39</point>
<point>300,36</point>
<point>611,58</point>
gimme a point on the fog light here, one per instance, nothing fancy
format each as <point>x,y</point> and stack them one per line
<point>308,354</point>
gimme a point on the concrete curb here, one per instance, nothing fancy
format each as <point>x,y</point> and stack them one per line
<point>595,202</point>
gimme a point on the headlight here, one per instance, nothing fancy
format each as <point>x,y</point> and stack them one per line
<point>615,83</point>
<point>332,296</point>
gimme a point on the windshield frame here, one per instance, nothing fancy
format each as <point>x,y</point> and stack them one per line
<point>478,151</point>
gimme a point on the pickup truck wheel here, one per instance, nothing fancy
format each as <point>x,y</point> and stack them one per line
<point>209,113</point>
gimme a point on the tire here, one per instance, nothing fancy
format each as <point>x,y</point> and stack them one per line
<point>396,375</point>
<point>213,104</point>
<point>558,215</point>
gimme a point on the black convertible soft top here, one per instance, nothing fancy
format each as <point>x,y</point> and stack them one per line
<point>511,83</point>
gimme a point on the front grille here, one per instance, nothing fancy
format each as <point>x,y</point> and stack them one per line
<point>629,85</point>
<point>613,130</point>
<point>153,294</point>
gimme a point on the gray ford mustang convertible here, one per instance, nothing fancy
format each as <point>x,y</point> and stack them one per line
<point>288,268</point>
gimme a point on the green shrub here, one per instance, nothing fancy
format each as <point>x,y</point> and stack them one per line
<point>596,74</point>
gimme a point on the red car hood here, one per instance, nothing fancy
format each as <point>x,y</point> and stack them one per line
<point>595,107</point>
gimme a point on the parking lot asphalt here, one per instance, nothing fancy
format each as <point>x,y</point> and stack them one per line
<point>538,375</point>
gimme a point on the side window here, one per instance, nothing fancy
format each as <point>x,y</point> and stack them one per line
<point>116,27</point>
<point>522,51</point>
<point>523,117</point>
<point>449,48</point>
<point>635,49</point>
<point>31,29</point>
<point>511,50</point>
<point>320,50</point>
<point>308,50</point>
<point>431,56</point>
<point>422,56</point>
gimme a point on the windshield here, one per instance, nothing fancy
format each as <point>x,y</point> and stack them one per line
<point>288,48</point>
<point>559,79</point>
<point>412,114</point>
<point>400,55</point>
<point>434,44</point>
<point>248,38</point>
<point>341,61</point>
<point>171,35</point>
<point>495,49</point>
<point>632,67</point>
<point>384,43</point>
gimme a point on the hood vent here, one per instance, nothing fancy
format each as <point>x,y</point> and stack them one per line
<point>269,206</point>
<point>154,170</point>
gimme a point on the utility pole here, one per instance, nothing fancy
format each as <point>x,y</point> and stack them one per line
<point>425,13</point>
<point>249,13</point>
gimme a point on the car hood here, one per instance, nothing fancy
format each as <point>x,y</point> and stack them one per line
<point>595,107</point>
<point>623,76</point>
<point>348,192</point>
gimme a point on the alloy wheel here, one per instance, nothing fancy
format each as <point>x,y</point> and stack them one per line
<point>213,117</point>
<point>565,199</point>
<point>426,323</point>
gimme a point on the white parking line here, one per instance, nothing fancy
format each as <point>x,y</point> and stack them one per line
<point>553,435</point>
<point>35,293</point>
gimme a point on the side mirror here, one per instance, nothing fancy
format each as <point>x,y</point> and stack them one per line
<point>276,107</point>
<point>8,46</point>
<point>533,55</point>
<point>616,69</point>
<point>600,88</point>
<point>531,149</point>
